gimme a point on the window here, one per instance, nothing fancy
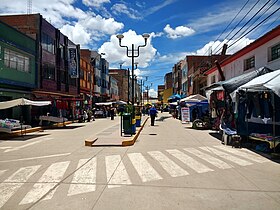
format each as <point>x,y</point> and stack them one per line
<point>213,79</point>
<point>48,71</point>
<point>62,76</point>
<point>275,52</point>
<point>249,63</point>
<point>61,47</point>
<point>47,43</point>
<point>15,60</point>
<point>82,74</point>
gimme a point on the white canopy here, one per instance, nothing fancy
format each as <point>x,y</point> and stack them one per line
<point>269,81</point>
<point>21,102</point>
<point>104,103</point>
<point>194,98</point>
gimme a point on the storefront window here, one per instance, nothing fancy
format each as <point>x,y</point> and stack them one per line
<point>15,60</point>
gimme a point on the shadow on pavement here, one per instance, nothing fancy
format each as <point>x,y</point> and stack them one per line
<point>162,118</point>
<point>24,137</point>
<point>65,127</point>
<point>216,135</point>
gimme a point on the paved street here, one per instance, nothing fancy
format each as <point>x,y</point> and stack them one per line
<point>171,166</point>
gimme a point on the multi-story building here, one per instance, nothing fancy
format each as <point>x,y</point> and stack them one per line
<point>160,92</point>
<point>168,81</point>
<point>114,90</point>
<point>168,87</point>
<point>263,52</point>
<point>101,89</point>
<point>177,78</point>
<point>105,81</point>
<point>123,81</point>
<point>18,70</point>
<point>196,65</point>
<point>86,82</point>
<point>57,62</point>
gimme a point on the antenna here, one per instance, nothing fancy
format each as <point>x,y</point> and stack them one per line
<point>29,7</point>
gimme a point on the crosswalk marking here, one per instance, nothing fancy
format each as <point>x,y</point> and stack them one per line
<point>116,172</point>
<point>2,172</point>
<point>143,168</point>
<point>84,179</point>
<point>227,156</point>
<point>14,182</point>
<point>214,161</point>
<point>46,183</point>
<point>189,161</point>
<point>252,157</point>
<point>168,165</point>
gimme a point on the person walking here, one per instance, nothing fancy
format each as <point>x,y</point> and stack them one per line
<point>153,114</point>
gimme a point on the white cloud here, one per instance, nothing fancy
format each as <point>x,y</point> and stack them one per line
<point>215,47</point>
<point>179,31</point>
<point>172,58</point>
<point>115,53</point>
<point>153,93</point>
<point>159,34</point>
<point>77,34</point>
<point>122,8</point>
<point>82,27</point>
<point>95,3</point>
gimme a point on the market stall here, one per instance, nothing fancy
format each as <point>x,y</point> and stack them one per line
<point>10,125</point>
<point>221,99</point>
<point>259,110</point>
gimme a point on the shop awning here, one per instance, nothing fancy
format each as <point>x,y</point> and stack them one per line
<point>22,102</point>
<point>269,81</point>
<point>232,84</point>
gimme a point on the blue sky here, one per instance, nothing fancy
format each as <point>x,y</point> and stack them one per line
<point>177,27</point>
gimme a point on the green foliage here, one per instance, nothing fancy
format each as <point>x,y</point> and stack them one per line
<point>128,108</point>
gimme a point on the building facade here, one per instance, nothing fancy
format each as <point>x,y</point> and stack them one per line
<point>86,82</point>
<point>123,82</point>
<point>114,90</point>
<point>168,80</point>
<point>18,70</point>
<point>57,64</point>
<point>263,52</point>
<point>196,67</point>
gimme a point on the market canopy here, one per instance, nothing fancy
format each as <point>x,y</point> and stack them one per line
<point>194,98</point>
<point>232,84</point>
<point>22,102</point>
<point>269,81</point>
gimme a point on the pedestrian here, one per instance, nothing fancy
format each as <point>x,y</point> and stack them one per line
<point>112,113</point>
<point>153,113</point>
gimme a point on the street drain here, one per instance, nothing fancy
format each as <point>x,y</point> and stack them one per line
<point>153,134</point>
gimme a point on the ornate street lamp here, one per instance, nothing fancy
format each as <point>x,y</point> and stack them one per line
<point>132,53</point>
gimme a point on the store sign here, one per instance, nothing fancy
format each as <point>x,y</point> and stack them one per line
<point>72,62</point>
<point>185,114</point>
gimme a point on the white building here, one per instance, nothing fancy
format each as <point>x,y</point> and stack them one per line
<point>263,52</point>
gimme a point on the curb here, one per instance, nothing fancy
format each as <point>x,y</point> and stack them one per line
<point>133,140</point>
<point>34,129</point>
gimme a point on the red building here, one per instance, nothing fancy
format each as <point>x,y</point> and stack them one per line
<point>57,61</point>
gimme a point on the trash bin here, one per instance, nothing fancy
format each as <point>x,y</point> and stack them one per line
<point>127,123</point>
<point>138,120</point>
<point>133,126</point>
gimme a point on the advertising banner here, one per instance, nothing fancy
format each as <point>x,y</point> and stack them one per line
<point>185,114</point>
<point>73,63</point>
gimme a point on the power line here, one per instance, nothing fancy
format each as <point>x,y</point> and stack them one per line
<point>231,21</point>
<point>237,25</point>
<point>268,8</point>
<point>248,22</point>
<point>255,26</point>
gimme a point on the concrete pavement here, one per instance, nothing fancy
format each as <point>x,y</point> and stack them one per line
<point>170,166</point>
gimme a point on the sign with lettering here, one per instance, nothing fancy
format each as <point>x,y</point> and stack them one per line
<point>73,62</point>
